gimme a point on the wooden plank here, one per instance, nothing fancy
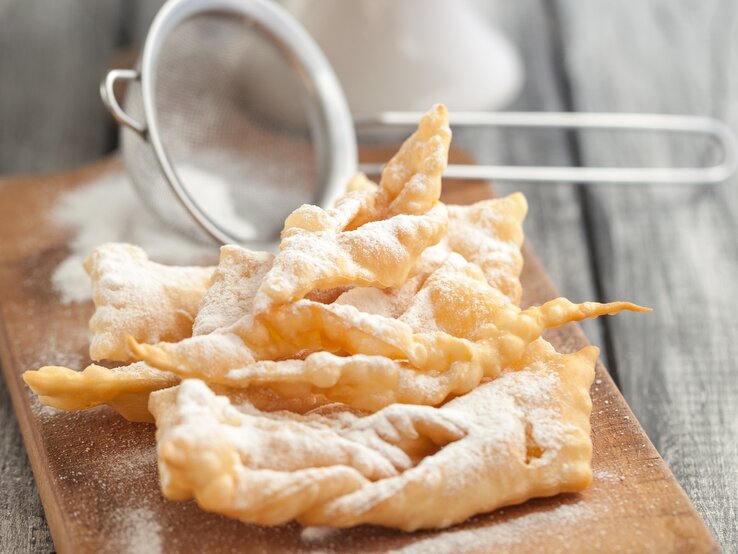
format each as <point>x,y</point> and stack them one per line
<point>97,477</point>
<point>669,248</point>
<point>52,56</point>
<point>22,523</point>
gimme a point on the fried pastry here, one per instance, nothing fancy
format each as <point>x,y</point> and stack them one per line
<point>363,382</point>
<point>378,370</point>
<point>411,180</point>
<point>389,302</point>
<point>369,237</point>
<point>205,356</point>
<point>455,318</point>
<point>233,286</point>
<point>525,434</point>
<point>126,389</point>
<point>361,182</point>
<point>137,297</point>
<point>490,234</point>
<point>379,253</point>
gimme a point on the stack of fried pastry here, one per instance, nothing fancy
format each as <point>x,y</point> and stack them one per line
<point>378,369</point>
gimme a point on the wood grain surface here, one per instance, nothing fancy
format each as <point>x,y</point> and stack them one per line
<point>97,477</point>
<point>674,249</point>
<point>52,57</point>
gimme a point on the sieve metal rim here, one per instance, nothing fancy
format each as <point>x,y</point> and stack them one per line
<point>333,121</point>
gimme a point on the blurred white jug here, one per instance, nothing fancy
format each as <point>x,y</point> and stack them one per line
<point>410,54</point>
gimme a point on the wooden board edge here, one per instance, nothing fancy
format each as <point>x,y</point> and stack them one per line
<point>23,410</point>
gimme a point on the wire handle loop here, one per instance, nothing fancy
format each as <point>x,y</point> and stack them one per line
<point>716,130</point>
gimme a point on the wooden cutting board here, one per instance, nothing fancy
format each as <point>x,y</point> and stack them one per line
<point>96,472</point>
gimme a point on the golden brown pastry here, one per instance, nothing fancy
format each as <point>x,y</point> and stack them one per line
<point>126,389</point>
<point>234,283</point>
<point>523,435</point>
<point>135,296</point>
<point>455,319</point>
<point>369,237</point>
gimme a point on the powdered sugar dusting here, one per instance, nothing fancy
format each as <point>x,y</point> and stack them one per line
<point>489,234</point>
<point>231,293</point>
<point>607,476</point>
<point>142,531</point>
<point>108,209</point>
<point>70,281</point>
<point>512,532</point>
<point>390,302</point>
<point>316,253</point>
<point>318,534</point>
<point>140,298</point>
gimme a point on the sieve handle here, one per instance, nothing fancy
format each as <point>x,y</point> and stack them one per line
<point>708,127</point>
<point>107,93</point>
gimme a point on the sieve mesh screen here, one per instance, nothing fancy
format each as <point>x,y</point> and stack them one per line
<point>235,121</point>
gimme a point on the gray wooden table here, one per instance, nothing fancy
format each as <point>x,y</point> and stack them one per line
<point>672,249</point>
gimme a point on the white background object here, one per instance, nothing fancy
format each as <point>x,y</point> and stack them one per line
<point>408,55</point>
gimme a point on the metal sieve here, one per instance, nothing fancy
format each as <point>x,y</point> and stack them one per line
<point>234,117</point>
<point>234,110</point>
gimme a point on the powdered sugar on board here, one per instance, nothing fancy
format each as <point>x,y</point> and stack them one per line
<point>108,209</point>
<point>491,537</point>
<point>503,534</point>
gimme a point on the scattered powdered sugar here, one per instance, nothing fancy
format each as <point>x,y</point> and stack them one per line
<point>211,192</point>
<point>108,209</point>
<point>129,475</point>
<point>141,531</point>
<point>318,534</point>
<point>477,232</point>
<point>607,476</point>
<point>504,533</point>
<point>70,281</point>
<point>67,349</point>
